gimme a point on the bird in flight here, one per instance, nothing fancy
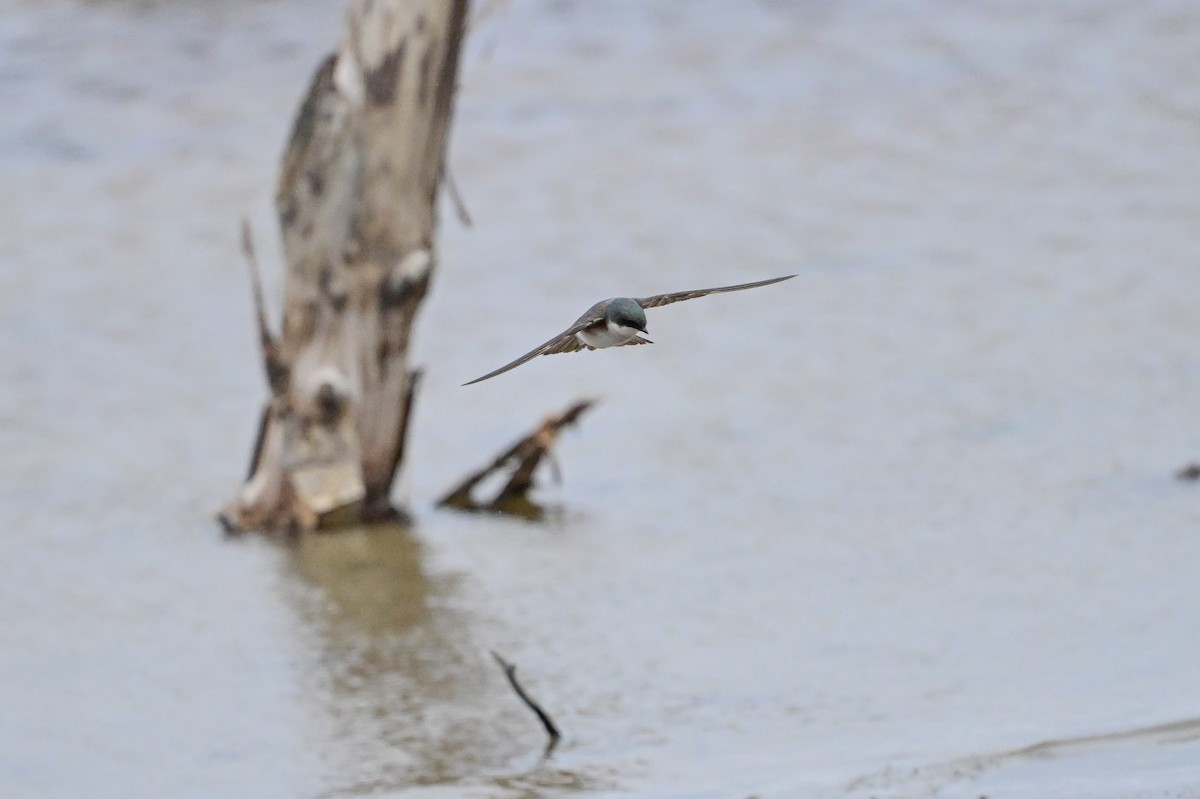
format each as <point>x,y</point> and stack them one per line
<point>615,323</point>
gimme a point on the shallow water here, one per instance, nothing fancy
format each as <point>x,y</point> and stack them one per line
<point>876,531</point>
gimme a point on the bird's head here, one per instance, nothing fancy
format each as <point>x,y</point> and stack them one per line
<point>626,313</point>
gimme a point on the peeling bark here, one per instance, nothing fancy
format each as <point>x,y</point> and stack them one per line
<point>356,201</point>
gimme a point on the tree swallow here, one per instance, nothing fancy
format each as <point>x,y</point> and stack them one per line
<point>615,323</point>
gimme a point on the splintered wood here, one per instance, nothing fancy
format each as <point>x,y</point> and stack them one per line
<point>356,202</point>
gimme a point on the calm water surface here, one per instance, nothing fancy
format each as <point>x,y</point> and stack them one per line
<point>876,531</point>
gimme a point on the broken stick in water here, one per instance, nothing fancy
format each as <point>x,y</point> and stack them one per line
<point>526,454</point>
<point>510,671</point>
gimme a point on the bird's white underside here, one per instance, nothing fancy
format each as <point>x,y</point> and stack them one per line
<point>610,335</point>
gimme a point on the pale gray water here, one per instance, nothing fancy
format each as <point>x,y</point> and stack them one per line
<point>871,532</point>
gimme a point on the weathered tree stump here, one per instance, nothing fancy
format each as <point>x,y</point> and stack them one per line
<point>356,200</point>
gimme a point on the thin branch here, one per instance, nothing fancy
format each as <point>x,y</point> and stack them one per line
<point>278,373</point>
<point>555,469</point>
<point>260,305</point>
<point>460,207</point>
<point>510,671</point>
<point>259,440</point>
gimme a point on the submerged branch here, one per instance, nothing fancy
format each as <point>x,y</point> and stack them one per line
<point>524,457</point>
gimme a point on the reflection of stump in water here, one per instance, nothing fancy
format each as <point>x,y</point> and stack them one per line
<point>406,695</point>
<point>523,458</point>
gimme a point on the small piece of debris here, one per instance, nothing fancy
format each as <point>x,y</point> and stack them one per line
<point>1189,472</point>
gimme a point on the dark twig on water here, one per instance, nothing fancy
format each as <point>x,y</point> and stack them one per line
<point>510,671</point>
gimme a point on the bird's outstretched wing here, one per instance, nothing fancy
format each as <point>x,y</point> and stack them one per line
<point>679,296</point>
<point>565,341</point>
